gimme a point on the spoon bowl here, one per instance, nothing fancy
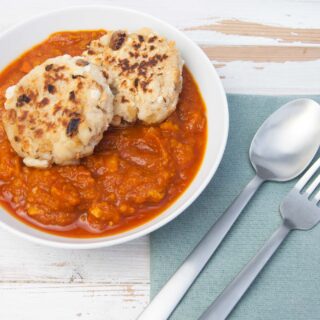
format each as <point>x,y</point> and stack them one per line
<point>287,141</point>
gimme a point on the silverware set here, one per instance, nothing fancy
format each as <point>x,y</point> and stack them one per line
<point>281,150</point>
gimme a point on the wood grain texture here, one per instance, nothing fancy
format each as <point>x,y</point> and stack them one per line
<point>110,283</point>
<point>262,53</point>
<point>74,301</point>
<point>253,29</point>
<point>38,264</point>
<point>257,47</point>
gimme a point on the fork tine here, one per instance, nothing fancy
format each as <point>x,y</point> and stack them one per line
<point>313,185</point>
<point>308,175</point>
<point>317,197</point>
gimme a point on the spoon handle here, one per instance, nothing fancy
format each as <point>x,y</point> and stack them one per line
<point>173,291</point>
<point>228,299</point>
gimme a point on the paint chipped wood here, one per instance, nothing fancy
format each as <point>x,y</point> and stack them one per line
<point>262,53</point>
<point>253,29</point>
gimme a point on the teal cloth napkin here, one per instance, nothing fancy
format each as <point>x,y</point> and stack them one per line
<point>289,286</point>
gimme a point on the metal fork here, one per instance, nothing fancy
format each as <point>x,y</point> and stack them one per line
<point>299,210</point>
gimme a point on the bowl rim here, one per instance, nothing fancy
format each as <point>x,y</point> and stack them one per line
<point>105,241</point>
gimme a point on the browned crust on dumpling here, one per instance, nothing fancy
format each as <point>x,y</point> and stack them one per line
<point>57,112</point>
<point>144,71</point>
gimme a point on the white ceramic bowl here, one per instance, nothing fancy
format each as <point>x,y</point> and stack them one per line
<point>23,36</point>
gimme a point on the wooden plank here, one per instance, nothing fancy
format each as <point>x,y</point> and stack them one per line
<point>24,262</point>
<point>247,77</point>
<point>267,69</point>
<point>71,284</point>
<point>123,301</point>
<point>254,29</point>
<point>262,53</point>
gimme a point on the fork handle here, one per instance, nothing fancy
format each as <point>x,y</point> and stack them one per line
<point>173,291</point>
<point>232,294</point>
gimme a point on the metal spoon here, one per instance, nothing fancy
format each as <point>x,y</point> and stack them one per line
<point>281,149</point>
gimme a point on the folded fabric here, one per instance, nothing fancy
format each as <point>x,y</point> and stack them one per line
<point>289,286</point>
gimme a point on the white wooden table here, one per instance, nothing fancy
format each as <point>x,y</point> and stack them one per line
<point>267,47</point>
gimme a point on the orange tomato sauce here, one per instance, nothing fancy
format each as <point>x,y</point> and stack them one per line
<point>135,173</point>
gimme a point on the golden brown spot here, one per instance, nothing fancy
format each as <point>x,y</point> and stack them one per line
<point>80,85</point>
<point>75,76</point>
<point>144,84</point>
<point>134,54</point>
<point>72,127</point>
<point>38,133</point>
<point>72,96</point>
<point>111,59</point>
<point>51,88</point>
<point>141,38</point>
<point>12,115</point>
<point>56,108</point>
<point>44,102</point>
<point>152,39</point>
<point>124,99</point>
<point>20,128</point>
<point>49,67</point>
<point>136,45</point>
<point>117,40</point>
<point>50,125</point>
<point>32,120</point>
<point>98,107</point>
<point>22,99</point>
<point>105,74</point>
<point>90,52</point>
<point>82,63</point>
<point>59,68</point>
<point>23,115</point>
